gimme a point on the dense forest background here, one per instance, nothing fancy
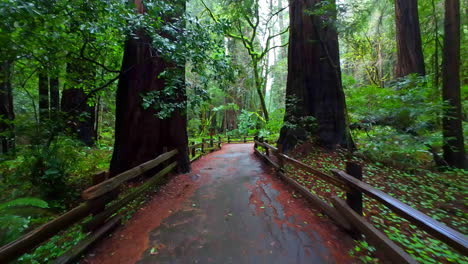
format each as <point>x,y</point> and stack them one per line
<point>81,92</point>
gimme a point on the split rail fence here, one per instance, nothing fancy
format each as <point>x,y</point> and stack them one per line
<point>348,214</point>
<point>99,213</point>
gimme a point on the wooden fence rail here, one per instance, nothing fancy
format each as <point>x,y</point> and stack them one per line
<point>351,182</point>
<point>102,220</point>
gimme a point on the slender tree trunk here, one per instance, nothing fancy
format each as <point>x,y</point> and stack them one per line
<point>139,134</point>
<point>7,115</point>
<point>43,96</point>
<point>259,88</point>
<point>410,58</point>
<point>314,79</point>
<point>454,149</point>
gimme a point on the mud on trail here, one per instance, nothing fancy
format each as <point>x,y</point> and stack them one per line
<point>229,209</point>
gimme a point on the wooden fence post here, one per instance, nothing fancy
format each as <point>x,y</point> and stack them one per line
<point>354,198</point>
<point>229,139</point>
<point>267,150</point>
<point>203,145</point>
<point>255,144</point>
<point>220,141</point>
<point>245,139</point>
<point>211,141</point>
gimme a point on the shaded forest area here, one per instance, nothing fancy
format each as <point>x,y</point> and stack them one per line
<point>87,86</point>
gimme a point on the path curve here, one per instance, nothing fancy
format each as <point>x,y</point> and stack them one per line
<point>229,209</point>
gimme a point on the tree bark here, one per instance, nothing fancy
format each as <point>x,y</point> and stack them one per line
<point>454,149</point>
<point>314,79</point>
<point>410,58</point>
<point>79,110</point>
<point>43,85</point>
<point>79,115</point>
<point>139,134</point>
<point>54,95</point>
<point>7,114</point>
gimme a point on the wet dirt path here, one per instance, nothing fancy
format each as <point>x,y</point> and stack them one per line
<point>229,209</point>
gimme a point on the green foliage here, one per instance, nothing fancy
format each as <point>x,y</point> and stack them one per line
<point>14,219</point>
<point>398,123</point>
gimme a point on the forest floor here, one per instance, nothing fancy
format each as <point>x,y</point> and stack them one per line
<point>441,195</point>
<point>229,209</point>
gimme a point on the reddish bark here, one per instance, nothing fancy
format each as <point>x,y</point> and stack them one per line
<point>410,58</point>
<point>314,78</point>
<point>139,134</point>
<point>454,148</point>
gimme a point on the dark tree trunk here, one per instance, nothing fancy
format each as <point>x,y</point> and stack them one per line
<point>454,149</point>
<point>79,110</point>
<point>314,79</point>
<point>410,58</point>
<point>139,134</point>
<point>7,115</point>
<point>54,95</point>
<point>79,115</point>
<point>43,84</point>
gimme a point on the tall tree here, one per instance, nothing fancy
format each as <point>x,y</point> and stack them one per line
<point>43,86</point>
<point>7,114</point>
<point>314,86</point>
<point>410,58</point>
<point>454,148</point>
<point>140,135</point>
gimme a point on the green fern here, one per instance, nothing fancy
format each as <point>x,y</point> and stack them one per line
<point>24,202</point>
<point>12,225</point>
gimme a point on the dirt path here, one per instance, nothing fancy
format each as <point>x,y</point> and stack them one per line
<point>229,209</point>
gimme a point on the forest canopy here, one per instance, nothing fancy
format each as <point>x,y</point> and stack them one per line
<point>93,85</point>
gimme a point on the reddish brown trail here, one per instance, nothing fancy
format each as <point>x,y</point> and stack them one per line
<point>229,209</point>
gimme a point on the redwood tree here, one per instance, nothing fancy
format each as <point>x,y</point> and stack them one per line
<point>7,114</point>
<point>314,78</point>
<point>140,135</point>
<point>454,149</point>
<point>79,111</point>
<point>410,58</point>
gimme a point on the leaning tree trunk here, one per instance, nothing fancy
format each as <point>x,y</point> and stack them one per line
<point>139,134</point>
<point>454,149</point>
<point>7,115</point>
<point>314,86</point>
<point>410,58</point>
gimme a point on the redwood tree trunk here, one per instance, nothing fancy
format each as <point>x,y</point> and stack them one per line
<point>43,85</point>
<point>139,134</point>
<point>79,115</point>
<point>54,95</point>
<point>454,149</point>
<point>7,114</point>
<point>314,79</point>
<point>410,58</point>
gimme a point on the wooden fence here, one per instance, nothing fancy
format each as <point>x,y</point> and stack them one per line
<point>348,214</point>
<point>102,203</point>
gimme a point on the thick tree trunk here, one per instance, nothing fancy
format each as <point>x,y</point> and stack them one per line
<point>314,79</point>
<point>79,115</point>
<point>7,114</point>
<point>410,58</point>
<point>454,149</point>
<point>54,95</point>
<point>139,134</point>
<point>79,110</point>
<point>43,85</point>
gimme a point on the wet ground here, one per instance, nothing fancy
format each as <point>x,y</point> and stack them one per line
<point>229,209</point>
